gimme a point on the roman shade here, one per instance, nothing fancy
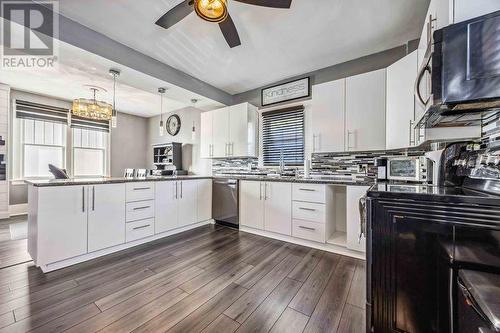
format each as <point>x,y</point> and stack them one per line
<point>36,111</point>
<point>89,124</point>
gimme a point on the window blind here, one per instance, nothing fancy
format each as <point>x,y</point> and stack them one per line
<point>83,123</point>
<point>35,111</point>
<point>283,135</point>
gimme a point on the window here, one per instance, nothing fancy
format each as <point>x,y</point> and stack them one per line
<point>283,136</point>
<point>42,142</point>
<point>89,152</point>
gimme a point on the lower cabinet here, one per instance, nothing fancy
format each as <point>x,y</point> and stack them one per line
<point>106,216</point>
<point>266,206</point>
<point>188,202</point>
<point>204,199</point>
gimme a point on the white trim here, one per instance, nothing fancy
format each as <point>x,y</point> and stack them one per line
<point>320,246</point>
<point>19,209</point>
<point>76,260</point>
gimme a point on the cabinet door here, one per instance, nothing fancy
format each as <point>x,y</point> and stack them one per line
<point>467,9</point>
<point>220,133</point>
<point>188,202</point>
<point>204,199</point>
<point>365,111</point>
<point>206,134</point>
<point>278,207</point>
<point>166,206</point>
<point>401,78</point>
<point>252,204</point>
<point>328,112</point>
<point>106,219</point>
<point>62,227</point>
<point>238,130</point>
<point>353,226</point>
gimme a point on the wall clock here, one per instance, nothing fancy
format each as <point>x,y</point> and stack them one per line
<point>173,125</point>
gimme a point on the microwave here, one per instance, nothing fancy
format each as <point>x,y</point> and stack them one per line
<point>460,73</point>
<point>410,169</point>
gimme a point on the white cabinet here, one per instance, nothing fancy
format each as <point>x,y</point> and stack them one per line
<point>328,112</point>
<point>400,117</point>
<point>204,199</point>
<point>353,226</point>
<point>188,202</point>
<point>206,134</point>
<point>278,207</point>
<point>230,132</point>
<point>252,204</point>
<point>106,216</point>
<point>365,111</point>
<point>468,9</point>
<point>175,204</point>
<point>61,223</point>
<point>266,206</point>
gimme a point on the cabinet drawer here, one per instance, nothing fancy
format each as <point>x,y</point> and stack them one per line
<point>140,210</point>
<point>309,211</point>
<point>140,191</point>
<point>309,193</point>
<point>139,229</point>
<point>308,230</point>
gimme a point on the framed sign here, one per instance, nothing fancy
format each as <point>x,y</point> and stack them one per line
<point>286,92</point>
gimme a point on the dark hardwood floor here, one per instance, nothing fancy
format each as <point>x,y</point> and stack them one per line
<point>211,279</point>
<point>12,252</point>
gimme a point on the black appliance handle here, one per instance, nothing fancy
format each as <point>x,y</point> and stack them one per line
<point>426,68</point>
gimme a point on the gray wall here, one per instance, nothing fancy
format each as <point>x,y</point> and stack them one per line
<point>353,67</point>
<point>129,148</point>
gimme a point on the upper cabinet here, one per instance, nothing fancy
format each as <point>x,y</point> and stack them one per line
<point>328,117</point>
<point>401,78</point>
<point>230,132</point>
<point>365,111</point>
<point>467,9</point>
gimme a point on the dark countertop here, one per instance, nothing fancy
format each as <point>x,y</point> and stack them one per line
<point>107,180</point>
<point>115,180</point>
<point>418,192</point>
<point>485,290</point>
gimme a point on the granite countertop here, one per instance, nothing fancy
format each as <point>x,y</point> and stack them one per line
<point>115,180</point>
<point>107,180</point>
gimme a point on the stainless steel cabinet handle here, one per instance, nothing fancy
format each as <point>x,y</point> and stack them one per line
<point>176,190</point>
<point>225,149</point>
<point>314,143</point>
<point>140,208</point>
<point>231,146</point>
<point>83,198</point>
<point>349,140</point>
<point>141,227</point>
<point>308,209</point>
<point>181,189</point>
<point>412,142</point>
<point>306,228</point>
<point>265,191</point>
<point>141,188</point>
<point>93,197</point>
<point>307,189</point>
<point>260,191</point>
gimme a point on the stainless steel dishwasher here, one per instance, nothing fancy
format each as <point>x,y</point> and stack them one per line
<point>225,201</point>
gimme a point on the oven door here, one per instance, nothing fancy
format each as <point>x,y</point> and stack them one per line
<point>404,169</point>
<point>470,63</point>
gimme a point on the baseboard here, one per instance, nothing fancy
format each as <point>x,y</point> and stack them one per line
<point>320,246</point>
<point>20,209</point>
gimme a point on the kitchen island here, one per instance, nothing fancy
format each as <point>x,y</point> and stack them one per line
<point>75,220</point>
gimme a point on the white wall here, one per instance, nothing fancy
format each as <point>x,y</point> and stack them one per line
<point>191,160</point>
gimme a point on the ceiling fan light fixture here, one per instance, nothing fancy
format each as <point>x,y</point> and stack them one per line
<point>211,10</point>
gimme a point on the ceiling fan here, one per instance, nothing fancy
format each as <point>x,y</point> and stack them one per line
<point>215,11</point>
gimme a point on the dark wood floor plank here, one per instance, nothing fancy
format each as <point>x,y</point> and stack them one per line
<point>357,293</point>
<point>223,324</point>
<point>264,317</point>
<point>63,323</point>
<point>308,296</point>
<point>6,319</point>
<point>306,266</point>
<point>353,320</point>
<point>328,311</point>
<point>152,321</point>
<point>262,252</point>
<point>169,289</point>
<point>208,312</point>
<point>246,304</point>
<point>291,321</point>
<point>214,243</point>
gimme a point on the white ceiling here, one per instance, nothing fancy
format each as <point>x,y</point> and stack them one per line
<point>276,43</point>
<point>136,93</point>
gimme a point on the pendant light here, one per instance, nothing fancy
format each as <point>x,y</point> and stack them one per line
<point>115,73</point>
<point>162,125</point>
<point>193,131</point>
<point>211,10</point>
<point>92,108</point>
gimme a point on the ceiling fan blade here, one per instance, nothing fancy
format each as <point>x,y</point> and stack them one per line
<point>269,3</point>
<point>175,14</point>
<point>229,31</point>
